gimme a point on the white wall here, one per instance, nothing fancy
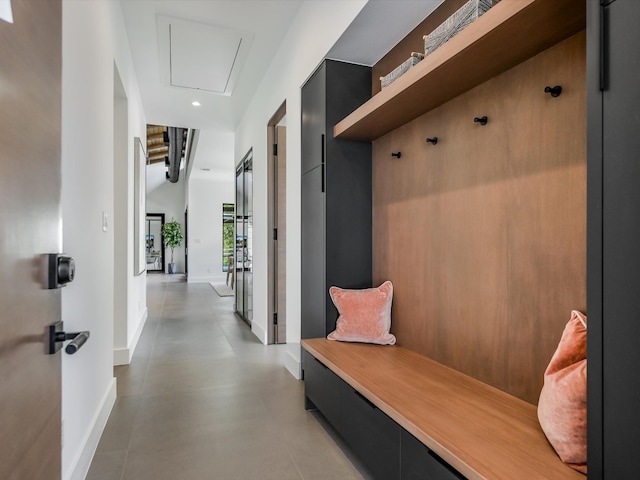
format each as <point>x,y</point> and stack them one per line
<point>315,29</point>
<point>207,191</point>
<point>168,198</point>
<point>94,39</point>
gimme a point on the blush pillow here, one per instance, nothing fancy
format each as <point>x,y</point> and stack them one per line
<point>562,408</point>
<point>365,315</point>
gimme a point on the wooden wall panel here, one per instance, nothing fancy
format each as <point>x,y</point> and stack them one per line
<point>484,234</point>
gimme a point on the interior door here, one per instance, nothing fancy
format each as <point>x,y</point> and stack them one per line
<point>281,248</point>
<point>248,232</point>
<point>240,242</point>
<point>31,224</point>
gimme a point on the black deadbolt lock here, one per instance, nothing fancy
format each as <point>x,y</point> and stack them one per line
<point>59,270</point>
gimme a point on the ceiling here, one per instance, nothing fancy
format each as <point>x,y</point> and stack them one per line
<point>264,24</point>
<point>265,21</point>
<point>174,43</point>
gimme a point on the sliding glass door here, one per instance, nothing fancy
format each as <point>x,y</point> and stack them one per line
<point>244,232</point>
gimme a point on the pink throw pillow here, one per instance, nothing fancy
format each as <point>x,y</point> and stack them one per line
<point>562,408</point>
<point>365,315</point>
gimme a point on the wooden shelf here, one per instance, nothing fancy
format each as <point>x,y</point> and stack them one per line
<point>508,34</point>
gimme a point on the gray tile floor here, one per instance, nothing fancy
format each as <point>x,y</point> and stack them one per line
<point>204,399</point>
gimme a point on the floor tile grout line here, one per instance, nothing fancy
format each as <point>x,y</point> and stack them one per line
<point>144,378</point>
<point>246,350</point>
<point>155,337</point>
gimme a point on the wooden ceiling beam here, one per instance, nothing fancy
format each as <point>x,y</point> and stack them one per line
<point>157,148</point>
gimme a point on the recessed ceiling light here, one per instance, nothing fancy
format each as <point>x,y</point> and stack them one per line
<point>195,103</point>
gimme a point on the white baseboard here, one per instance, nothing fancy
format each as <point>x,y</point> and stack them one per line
<point>292,360</point>
<point>259,332</point>
<point>82,461</point>
<point>123,356</point>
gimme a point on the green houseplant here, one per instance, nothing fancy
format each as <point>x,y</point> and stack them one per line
<point>173,236</point>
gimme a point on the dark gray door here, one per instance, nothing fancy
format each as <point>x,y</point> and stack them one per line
<point>313,120</point>
<point>30,225</point>
<point>313,286</point>
<point>621,244</point>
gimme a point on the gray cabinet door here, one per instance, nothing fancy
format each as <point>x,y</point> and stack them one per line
<point>621,240</point>
<point>417,462</point>
<point>613,233</point>
<point>313,120</point>
<point>313,288</point>
<point>336,194</point>
<point>373,436</point>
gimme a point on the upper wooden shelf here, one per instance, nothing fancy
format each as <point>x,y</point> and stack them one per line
<point>508,34</point>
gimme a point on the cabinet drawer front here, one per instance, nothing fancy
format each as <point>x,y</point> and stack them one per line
<point>420,463</point>
<point>322,387</point>
<point>373,436</point>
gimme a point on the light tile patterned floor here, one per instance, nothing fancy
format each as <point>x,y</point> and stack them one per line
<point>204,399</point>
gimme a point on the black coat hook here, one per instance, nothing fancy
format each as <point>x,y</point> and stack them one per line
<point>396,154</point>
<point>554,91</point>
<point>432,140</point>
<point>481,120</point>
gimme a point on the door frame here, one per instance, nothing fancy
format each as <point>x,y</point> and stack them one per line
<point>276,319</point>
<point>162,248</point>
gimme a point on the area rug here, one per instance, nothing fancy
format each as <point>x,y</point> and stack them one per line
<point>222,289</point>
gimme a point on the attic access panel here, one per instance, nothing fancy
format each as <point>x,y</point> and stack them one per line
<point>201,56</point>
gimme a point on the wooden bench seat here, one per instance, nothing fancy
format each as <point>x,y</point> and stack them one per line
<point>480,431</point>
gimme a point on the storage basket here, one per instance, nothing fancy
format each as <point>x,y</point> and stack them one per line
<point>465,15</point>
<point>401,69</point>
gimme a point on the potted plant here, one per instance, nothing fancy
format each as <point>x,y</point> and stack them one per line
<point>172,235</point>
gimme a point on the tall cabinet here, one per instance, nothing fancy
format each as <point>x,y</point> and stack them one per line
<point>336,194</point>
<point>613,238</point>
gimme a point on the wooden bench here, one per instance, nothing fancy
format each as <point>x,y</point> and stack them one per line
<point>480,431</point>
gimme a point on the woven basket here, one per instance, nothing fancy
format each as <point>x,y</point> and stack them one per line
<point>401,69</point>
<point>465,15</point>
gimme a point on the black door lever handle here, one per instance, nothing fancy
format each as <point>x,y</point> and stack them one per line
<point>56,337</point>
<point>78,339</point>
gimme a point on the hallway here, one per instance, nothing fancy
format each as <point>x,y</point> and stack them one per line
<point>204,399</point>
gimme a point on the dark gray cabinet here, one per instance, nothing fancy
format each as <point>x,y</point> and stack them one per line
<point>420,463</point>
<point>314,125</point>
<point>313,255</point>
<point>373,436</point>
<point>386,449</point>
<point>322,390</point>
<point>613,247</point>
<point>336,194</point>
